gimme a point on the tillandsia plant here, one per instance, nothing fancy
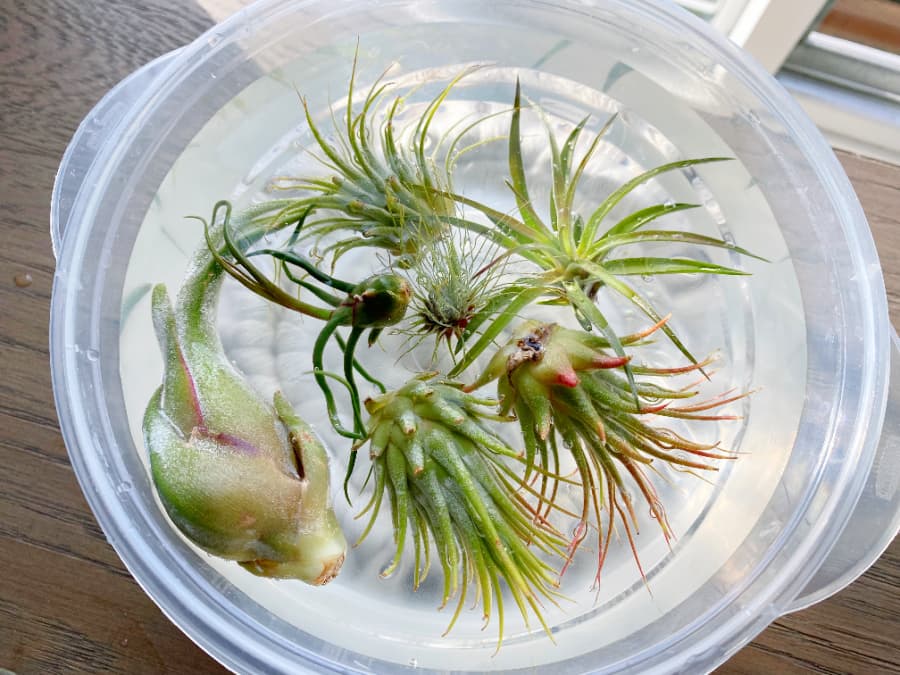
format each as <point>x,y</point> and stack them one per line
<point>239,478</point>
<point>574,258</point>
<point>444,473</point>
<point>566,383</point>
<point>454,279</point>
<point>384,187</point>
<point>372,304</point>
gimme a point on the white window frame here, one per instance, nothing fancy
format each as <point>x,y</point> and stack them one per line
<point>770,29</point>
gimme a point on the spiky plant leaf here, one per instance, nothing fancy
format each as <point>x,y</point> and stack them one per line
<point>574,260</point>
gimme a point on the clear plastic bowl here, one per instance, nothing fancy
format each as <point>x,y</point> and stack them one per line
<point>810,506</point>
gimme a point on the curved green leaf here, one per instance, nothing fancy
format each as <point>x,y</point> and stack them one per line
<point>626,291</point>
<point>606,244</point>
<point>593,223</point>
<point>638,219</point>
<point>650,266</point>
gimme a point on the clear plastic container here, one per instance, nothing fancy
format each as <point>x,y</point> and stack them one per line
<point>810,506</point>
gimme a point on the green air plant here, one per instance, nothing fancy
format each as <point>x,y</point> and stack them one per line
<point>372,304</point>
<point>446,477</point>
<point>453,280</point>
<point>381,187</point>
<point>565,383</point>
<point>238,478</point>
<point>574,258</point>
<point>385,189</point>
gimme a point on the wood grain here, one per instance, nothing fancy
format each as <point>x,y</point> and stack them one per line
<point>66,602</point>
<point>872,22</point>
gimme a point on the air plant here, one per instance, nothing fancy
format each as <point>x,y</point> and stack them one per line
<point>372,304</point>
<point>386,189</point>
<point>453,278</point>
<point>380,187</point>
<point>563,383</point>
<point>574,258</point>
<point>238,478</point>
<point>446,477</point>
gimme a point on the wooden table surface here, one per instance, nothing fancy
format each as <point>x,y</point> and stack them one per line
<point>66,602</point>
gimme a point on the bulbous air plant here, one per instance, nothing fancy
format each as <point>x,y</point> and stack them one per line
<point>565,382</point>
<point>238,478</point>
<point>446,476</point>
